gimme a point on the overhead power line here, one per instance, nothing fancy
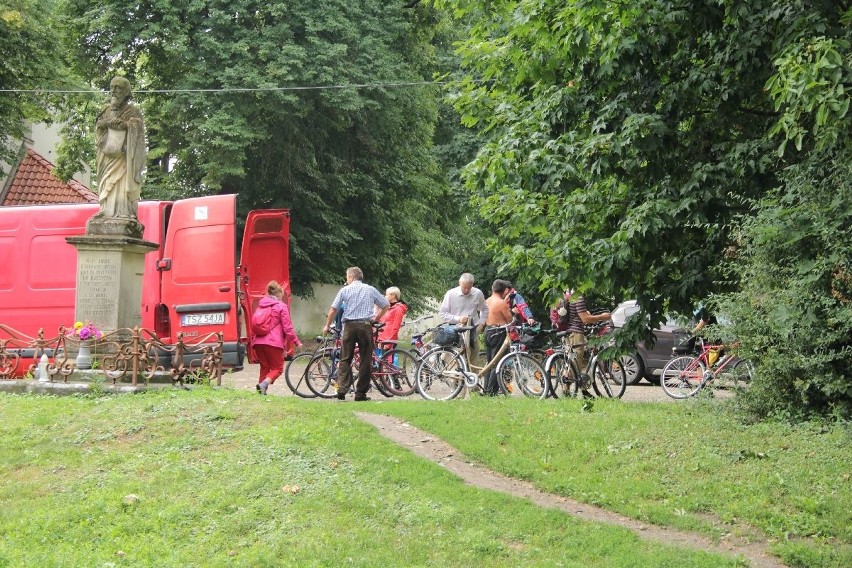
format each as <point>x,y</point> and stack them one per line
<point>236,89</point>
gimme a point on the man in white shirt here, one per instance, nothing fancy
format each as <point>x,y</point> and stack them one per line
<point>465,305</point>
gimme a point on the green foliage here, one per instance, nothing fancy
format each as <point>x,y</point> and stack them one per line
<point>631,146</point>
<point>27,37</point>
<point>811,87</point>
<point>794,309</point>
<point>624,140</point>
<point>354,164</point>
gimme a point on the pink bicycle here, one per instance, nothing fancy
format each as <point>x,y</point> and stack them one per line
<point>685,375</point>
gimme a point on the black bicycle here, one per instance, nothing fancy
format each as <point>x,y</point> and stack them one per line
<point>604,374</point>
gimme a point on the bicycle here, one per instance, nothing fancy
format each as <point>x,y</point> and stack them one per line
<point>419,345</point>
<point>328,346</point>
<point>685,375</point>
<point>604,375</point>
<point>445,370</point>
<point>392,374</point>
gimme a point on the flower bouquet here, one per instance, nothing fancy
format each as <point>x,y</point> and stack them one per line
<point>86,331</point>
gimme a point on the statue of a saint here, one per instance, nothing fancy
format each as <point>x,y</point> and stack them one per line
<point>120,153</point>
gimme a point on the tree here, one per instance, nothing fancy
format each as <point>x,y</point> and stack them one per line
<point>260,104</point>
<point>27,34</point>
<point>631,144</point>
<point>794,307</point>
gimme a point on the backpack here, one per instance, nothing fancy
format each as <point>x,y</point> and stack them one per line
<point>263,321</point>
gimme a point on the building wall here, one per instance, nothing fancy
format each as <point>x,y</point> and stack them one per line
<point>309,315</point>
<point>45,139</point>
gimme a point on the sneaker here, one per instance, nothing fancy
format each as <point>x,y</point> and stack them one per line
<point>341,396</point>
<point>262,386</point>
<point>361,397</point>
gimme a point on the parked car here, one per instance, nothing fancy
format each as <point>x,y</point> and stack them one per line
<point>648,362</point>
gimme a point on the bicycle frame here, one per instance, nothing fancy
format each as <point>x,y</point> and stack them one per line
<point>420,346</point>
<point>718,366</point>
<point>477,380</point>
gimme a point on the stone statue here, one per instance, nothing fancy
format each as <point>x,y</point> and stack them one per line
<point>120,154</point>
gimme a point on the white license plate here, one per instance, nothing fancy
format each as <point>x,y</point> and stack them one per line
<point>217,318</point>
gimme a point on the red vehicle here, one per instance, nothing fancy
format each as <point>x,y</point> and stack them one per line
<point>191,284</point>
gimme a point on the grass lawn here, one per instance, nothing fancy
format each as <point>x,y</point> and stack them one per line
<point>680,465</point>
<point>224,478</point>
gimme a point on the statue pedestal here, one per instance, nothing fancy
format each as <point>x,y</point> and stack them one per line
<point>109,280</point>
<point>101,226</point>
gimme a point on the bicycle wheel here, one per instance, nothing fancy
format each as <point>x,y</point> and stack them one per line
<point>296,375</point>
<point>397,371</point>
<point>519,374</point>
<point>506,371</point>
<point>376,381</point>
<point>440,374</point>
<point>682,376</point>
<point>321,374</point>
<point>609,379</point>
<point>538,354</point>
<point>741,374</point>
<point>563,376</point>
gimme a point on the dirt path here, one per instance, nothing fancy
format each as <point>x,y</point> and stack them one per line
<point>429,447</point>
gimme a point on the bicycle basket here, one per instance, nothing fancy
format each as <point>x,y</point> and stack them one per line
<point>445,335</point>
<point>533,339</point>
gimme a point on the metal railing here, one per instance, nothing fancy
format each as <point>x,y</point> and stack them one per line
<point>124,355</point>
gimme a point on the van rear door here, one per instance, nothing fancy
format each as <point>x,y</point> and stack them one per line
<point>265,256</point>
<point>198,272</point>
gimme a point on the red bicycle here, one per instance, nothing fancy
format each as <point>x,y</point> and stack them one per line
<point>685,375</point>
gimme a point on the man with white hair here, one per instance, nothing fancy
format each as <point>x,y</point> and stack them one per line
<point>465,305</point>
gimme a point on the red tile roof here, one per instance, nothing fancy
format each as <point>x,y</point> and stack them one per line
<point>35,184</point>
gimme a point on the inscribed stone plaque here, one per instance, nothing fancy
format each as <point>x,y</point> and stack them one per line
<point>97,279</point>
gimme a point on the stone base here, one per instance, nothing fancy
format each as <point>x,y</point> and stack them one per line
<point>109,280</point>
<point>30,386</point>
<point>101,226</point>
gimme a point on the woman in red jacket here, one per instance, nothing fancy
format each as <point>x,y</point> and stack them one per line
<point>392,318</point>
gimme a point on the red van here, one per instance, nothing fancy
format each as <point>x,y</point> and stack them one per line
<point>191,284</point>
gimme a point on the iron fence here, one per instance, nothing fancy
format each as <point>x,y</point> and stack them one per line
<point>124,355</point>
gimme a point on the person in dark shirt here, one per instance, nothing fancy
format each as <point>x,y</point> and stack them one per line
<point>571,314</point>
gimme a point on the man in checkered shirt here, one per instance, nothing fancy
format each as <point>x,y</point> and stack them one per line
<point>361,301</point>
